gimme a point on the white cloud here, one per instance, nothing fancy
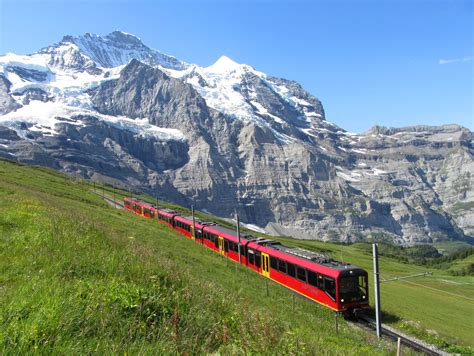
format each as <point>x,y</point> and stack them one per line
<point>455,60</point>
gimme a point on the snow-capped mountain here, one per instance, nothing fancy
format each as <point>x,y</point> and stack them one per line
<point>65,71</point>
<point>116,49</point>
<point>229,136</point>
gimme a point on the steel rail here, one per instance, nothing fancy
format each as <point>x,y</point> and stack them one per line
<point>409,341</point>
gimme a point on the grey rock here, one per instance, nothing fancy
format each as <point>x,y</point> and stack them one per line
<point>7,103</point>
<point>30,94</point>
<point>29,74</point>
<point>287,171</point>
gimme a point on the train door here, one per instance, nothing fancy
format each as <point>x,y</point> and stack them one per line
<point>265,265</point>
<point>221,245</point>
<point>192,232</point>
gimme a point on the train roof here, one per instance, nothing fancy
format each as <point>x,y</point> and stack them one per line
<point>169,212</point>
<point>314,257</point>
<point>183,219</point>
<point>140,202</point>
<point>228,233</point>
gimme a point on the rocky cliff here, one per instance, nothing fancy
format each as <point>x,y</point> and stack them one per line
<point>229,137</point>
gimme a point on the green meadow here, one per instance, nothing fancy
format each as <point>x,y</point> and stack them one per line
<point>79,276</point>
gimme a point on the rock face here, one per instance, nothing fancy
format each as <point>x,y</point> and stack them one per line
<point>7,103</point>
<point>231,138</point>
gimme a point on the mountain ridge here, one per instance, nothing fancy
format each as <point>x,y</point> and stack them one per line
<point>230,137</point>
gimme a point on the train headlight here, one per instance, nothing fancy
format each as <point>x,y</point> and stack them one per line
<point>342,300</point>
<point>363,297</point>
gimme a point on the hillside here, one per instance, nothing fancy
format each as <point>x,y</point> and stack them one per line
<point>80,276</point>
<point>228,136</point>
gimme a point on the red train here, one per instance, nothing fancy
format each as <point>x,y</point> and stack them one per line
<point>339,286</point>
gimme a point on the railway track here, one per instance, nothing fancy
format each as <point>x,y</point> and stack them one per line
<point>116,204</point>
<point>405,340</point>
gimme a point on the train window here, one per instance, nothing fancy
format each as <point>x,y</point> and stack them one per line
<point>251,256</point>
<point>282,266</point>
<point>320,281</point>
<point>273,262</point>
<point>291,270</point>
<point>226,246</point>
<point>258,259</point>
<point>301,274</point>
<point>330,287</point>
<point>313,278</point>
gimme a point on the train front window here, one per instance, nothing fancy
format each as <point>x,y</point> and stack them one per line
<point>353,288</point>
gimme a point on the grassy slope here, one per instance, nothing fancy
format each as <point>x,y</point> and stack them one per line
<point>442,304</point>
<point>79,276</point>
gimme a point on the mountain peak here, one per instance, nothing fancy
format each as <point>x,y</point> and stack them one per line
<point>113,50</point>
<point>224,64</point>
<point>124,37</point>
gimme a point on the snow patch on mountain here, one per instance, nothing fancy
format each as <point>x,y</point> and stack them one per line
<point>43,117</point>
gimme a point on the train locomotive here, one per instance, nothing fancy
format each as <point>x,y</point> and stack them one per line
<point>339,286</point>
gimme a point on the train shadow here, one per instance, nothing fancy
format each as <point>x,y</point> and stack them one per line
<point>386,316</point>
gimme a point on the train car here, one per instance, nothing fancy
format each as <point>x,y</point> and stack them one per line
<point>148,210</point>
<point>339,286</point>
<point>133,205</point>
<point>224,241</point>
<point>128,203</point>
<point>166,217</point>
<point>185,226</point>
<point>139,207</point>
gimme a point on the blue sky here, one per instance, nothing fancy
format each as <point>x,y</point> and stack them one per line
<point>393,63</point>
